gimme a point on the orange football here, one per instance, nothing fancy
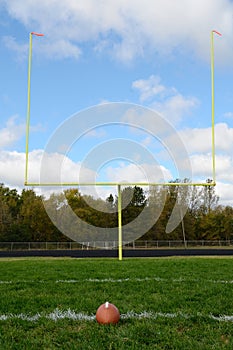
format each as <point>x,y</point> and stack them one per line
<point>107,313</point>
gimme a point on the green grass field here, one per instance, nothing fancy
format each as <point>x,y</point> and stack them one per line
<point>166,303</point>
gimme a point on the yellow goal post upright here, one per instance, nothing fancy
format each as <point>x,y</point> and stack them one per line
<point>119,184</point>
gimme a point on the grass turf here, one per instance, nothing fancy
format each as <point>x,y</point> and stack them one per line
<point>169,303</point>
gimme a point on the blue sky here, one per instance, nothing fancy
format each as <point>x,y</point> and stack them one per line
<point>155,54</point>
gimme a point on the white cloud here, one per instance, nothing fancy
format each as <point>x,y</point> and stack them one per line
<point>199,146</point>
<point>174,108</point>
<point>138,173</point>
<point>224,168</point>
<point>228,115</point>
<point>148,140</point>
<point>11,133</point>
<point>224,137</point>
<point>166,100</point>
<point>61,48</point>
<point>129,28</point>
<point>200,140</point>
<point>21,50</point>
<point>96,133</point>
<point>202,166</point>
<point>149,88</point>
<point>224,191</point>
<point>12,168</point>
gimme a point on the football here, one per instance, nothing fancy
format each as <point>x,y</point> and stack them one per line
<point>107,313</point>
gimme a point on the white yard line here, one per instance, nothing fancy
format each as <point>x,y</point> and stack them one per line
<point>5,282</point>
<point>58,314</point>
<point>121,280</point>
<point>145,279</point>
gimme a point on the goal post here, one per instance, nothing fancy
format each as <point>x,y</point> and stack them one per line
<point>115,183</point>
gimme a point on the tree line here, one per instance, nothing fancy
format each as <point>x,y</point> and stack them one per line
<point>24,218</point>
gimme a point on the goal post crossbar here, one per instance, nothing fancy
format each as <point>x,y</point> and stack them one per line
<point>67,184</point>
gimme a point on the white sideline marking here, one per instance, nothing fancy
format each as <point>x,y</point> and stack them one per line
<point>225,318</point>
<point>119,280</point>
<point>122,280</point>
<point>5,282</point>
<point>157,279</point>
<point>221,281</point>
<point>80,316</point>
<point>70,314</point>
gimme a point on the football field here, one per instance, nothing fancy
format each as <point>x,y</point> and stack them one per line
<point>165,303</point>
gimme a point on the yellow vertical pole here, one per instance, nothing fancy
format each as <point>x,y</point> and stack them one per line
<point>29,102</point>
<point>119,223</point>
<point>213,102</point>
<point>28,107</point>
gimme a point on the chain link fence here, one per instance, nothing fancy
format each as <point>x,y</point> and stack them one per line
<point>14,246</point>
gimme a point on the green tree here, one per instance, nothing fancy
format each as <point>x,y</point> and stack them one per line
<point>35,225</point>
<point>110,202</point>
<point>9,211</point>
<point>209,199</point>
<point>91,210</point>
<point>227,217</point>
<point>75,199</point>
